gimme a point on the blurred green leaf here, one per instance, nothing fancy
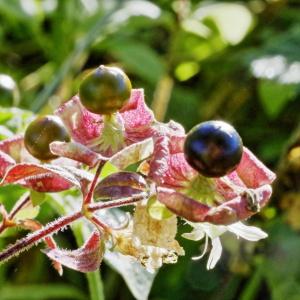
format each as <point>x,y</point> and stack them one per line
<point>139,59</point>
<point>37,198</point>
<point>28,212</point>
<point>275,96</point>
<point>40,292</point>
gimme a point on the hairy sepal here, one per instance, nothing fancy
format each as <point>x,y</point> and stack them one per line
<point>76,151</point>
<point>132,154</point>
<point>85,259</point>
<point>42,178</point>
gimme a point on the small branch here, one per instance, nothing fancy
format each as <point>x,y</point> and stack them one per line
<point>37,236</point>
<point>100,224</point>
<point>89,197</point>
<point>34,225</point>
<point>18,206</point>
<point>7,218</point>
<point>117,203</point>
<point>53,227</point>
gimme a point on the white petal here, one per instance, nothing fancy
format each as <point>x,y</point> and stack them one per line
<point>212,230</point>
<point>249,233</point>
<point>215,253</point>
<point>195,235</point>
<point>204,251</point>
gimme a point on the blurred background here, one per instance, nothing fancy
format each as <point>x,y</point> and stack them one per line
<point>197,60</point>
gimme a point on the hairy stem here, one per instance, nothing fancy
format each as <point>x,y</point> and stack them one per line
<point>18,206</point>
<point>53,227</point>
<point>36,237</point>
<point>89,197</point>
<point>21,203</point>
<point>117,203</point>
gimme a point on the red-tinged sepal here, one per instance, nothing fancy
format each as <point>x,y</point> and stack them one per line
<point>76,151</point>
<point>120,185</point>
<point>253,172</point>
<point>110,134</point>
<point>6,162</point>
<point>242,207</point>
<point>182,205</point>
<point>137,117</point>
<point>85,259</point>
<point>13,147</point>
<point>82,125</point>
<point>42,178</point>
<point>132,154</point>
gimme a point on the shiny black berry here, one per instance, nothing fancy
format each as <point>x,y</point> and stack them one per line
<point>213,148</point>
<point>41,133</point>
<point>105,90</point>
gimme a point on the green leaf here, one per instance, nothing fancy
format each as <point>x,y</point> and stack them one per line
<point>37,198</point>
<point>139,59</point>
<point>158,210</point>
<point>29,212</point>
<point>275,96</point>
<point>41,291</point>
<point>282,265</point>
<point>108,169</point>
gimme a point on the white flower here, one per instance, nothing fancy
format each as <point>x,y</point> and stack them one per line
<point>213,232</point>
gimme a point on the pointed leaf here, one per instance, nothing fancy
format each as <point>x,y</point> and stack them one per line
<point>85,259</point>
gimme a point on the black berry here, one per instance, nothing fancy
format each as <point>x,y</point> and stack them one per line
<point>213,148</point>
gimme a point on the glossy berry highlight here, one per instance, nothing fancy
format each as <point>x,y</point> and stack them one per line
<point>105,90</point>
<point>213,148</point>
<point>41,133</point>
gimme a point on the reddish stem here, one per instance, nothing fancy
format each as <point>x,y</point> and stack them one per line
<point>28,241</point>
<point>88,198</point>
<point>116,203</point>
<point>100,224</point>
<point>18,206</point>
<point>7,219</point>
<point>53,227</point>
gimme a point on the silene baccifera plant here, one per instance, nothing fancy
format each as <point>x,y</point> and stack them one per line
<point>205,177</point>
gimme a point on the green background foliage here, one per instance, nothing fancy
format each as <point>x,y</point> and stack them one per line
<point>197,60</point>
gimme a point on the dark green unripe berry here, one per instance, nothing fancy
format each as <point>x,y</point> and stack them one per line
<point>105,90</point>
<point>41,133</point>
<point>213,148</point>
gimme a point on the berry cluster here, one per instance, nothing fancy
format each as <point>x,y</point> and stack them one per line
<point>207,177</point>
